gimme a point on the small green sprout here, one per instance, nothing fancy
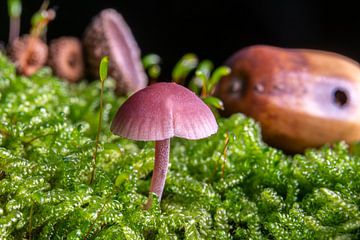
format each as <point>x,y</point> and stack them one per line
<point>14,10</point>
<point>103,73</point>
<point>204,82</point>
<point>219,73</point>
<point>185,65</point>
<point>151,63</point>
<point>214,102</point>
<point>203,72</point>
<point>41,19</point>
<point>103,70</point>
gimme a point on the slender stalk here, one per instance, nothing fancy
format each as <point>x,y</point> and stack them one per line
<point>98,134</point>
<point>14,29</point>
<point>162,151</point>
<point>30,220</point>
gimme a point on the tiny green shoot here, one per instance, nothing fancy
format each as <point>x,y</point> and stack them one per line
<point>14,11</point>
<point>103,72</point>
<point>41,19</point>
<point>219,73</point>
<point>207,81</point>
<point>183,67</point>
<point>151,63</point>
<point>204,69</point>
<point>225,153</point>
<point>214,102</point>
<point>14,8</point>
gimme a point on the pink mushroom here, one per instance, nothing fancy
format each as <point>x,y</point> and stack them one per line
<point>108,34</point>
<point>158,113</point>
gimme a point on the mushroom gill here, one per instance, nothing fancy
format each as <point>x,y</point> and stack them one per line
<point>108,34</point>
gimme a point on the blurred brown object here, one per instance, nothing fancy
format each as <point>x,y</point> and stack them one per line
<point>66,58</point>
<point>29,54</point>
<point>302,98</point>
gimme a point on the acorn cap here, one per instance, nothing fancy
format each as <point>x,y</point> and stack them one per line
<point>108,34</point>
<point>162,111</point>
<point>66,58</point>
<point>29,54</point>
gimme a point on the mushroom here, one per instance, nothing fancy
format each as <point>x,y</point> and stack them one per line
<point>158,113</point>
<point>66,58</point>
<point>302,98</point>
<point>28,53</point>
<point>108,34</point>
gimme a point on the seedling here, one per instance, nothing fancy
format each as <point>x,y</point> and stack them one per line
<point>204,83</point>
<point>151,63</point>
<point>103,73</point>
<point>14,10</point>
<point>41,19</point>
<point>185,65</point>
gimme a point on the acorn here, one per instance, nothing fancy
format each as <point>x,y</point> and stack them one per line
<point>108,34</point>
<point>301,98</point>
<point>28,53</point>
<point>66,58</point>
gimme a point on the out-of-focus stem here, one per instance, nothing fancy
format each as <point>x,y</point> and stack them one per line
<point>14,29</point>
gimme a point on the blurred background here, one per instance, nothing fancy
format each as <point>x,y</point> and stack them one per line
<point>211,29</point>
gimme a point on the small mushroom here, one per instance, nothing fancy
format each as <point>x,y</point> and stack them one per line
<point>158,113</point>
<point>302,98</point>
<point>29,54</point>
<point>108,34</point>
<point>66,58</point>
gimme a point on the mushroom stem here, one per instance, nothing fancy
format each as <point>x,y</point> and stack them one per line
<point>14,29</point>
<point>162,150</point>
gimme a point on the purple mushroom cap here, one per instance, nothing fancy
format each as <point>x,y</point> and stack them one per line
<point>162,111</point>
<point>108,34</point>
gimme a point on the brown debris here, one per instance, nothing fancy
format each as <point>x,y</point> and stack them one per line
<point>66,58</point>
<point>29,54</point>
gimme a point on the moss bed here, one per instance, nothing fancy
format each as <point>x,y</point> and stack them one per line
<point>47,133</point>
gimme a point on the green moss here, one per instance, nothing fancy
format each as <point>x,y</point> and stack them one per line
<point>47,132</point>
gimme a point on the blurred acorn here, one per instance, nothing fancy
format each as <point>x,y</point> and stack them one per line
<point>302,98</point>
<point>28,53</point>
<point>66,58</point>
<point>108,34</point>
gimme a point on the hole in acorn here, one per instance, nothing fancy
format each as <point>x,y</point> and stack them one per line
<point>340,97</point>
<point>72,60</point>
<point>31,60</point>
<point>238,85</point>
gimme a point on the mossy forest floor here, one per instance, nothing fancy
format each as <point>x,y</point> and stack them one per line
<point>47,133</point>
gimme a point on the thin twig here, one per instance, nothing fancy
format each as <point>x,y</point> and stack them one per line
<point>38,137</point>
<point>98,134</point>
<point>30,220</point>
<point>225,154</point>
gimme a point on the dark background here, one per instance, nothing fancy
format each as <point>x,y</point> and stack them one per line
<point>212,29</point>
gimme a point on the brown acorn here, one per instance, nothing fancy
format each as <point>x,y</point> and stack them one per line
<point>66,58</point>
<point>108,34</point>
<point>302,98</point>
<point>29,54</point>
